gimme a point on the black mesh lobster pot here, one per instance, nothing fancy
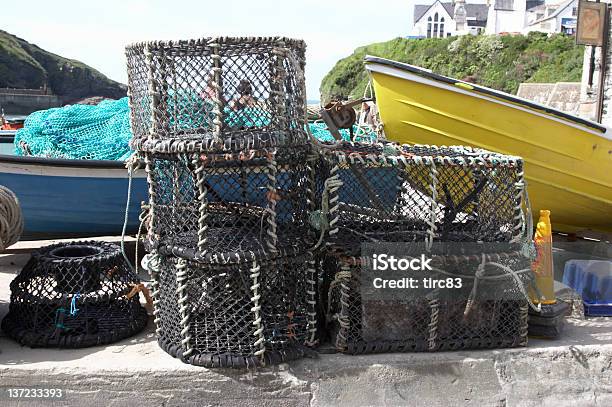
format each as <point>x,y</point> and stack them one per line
<point>470,200</point>
<point>243,312</point>
<point>219,123</point>
<point>75,295</point>
<point>204,205</point>
<point>387,192</point>
<point>494,315</point>
<point>218,94</point>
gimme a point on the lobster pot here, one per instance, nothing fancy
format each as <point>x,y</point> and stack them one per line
<point>74,295</point>
<point>228,94</point>
<point>435,320</point>
<point>204,205</point>
<point>244,313</point>
<point>387,192</point>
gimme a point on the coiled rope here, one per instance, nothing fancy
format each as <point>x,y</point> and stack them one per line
<point>11,218</point>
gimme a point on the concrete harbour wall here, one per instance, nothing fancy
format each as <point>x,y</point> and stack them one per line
<point>25,103</point>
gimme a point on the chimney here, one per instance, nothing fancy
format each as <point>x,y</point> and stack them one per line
<point>460,16</point>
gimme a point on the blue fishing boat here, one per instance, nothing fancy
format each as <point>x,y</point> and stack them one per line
<point>70,198</point>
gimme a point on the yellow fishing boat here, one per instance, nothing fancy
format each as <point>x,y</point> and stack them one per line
<point>568,160</point>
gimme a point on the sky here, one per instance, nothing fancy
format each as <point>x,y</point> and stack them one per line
<point>97,31</point>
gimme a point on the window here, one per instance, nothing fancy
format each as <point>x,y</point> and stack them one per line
<point>539,16</point>
<point>435,26</point>
<point>504,4</point>
<point>575,11</point>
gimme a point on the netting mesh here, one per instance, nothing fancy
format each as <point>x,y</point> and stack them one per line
<point>74,295</point>
<point>224,93</point>
<point>100,132</point>
<point>391,193</point>
<point>430,322</point>
<point>239,314</point>
<point>206,205</point>
<point>361,134</point>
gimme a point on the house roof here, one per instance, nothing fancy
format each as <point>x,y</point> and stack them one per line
<point>420,10</point>
<point>479,11</point>
<point>476,11</point>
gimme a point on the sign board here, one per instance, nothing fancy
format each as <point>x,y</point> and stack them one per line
<point>591,23</point>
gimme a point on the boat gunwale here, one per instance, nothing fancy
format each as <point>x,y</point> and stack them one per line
<point>57,162</point>
<point>484,90</point>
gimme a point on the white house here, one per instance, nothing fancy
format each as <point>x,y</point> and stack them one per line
<point>506,16</point>
<point>444,19</point>
<point>438,20</point>
<point>553,18</point>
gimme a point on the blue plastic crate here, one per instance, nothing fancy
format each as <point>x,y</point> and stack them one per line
<point>597,310</point>
<point>592,279</point>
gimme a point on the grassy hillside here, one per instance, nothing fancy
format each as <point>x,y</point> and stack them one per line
<point>24,65</point>
<point>499,62</point>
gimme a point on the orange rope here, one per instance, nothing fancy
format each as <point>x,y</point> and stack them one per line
<point>140,288</point>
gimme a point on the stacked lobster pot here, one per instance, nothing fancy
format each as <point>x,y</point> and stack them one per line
<point>219,125</point>
<point>464,208</point>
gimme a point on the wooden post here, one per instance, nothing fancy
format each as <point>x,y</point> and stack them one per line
<point>603,66</point>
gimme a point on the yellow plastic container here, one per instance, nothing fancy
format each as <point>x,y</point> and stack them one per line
<point>543,264</point>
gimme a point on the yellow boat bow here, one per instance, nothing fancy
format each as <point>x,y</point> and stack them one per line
<point>568,160</point>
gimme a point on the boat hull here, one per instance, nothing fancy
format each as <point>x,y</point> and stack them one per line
<point>568,163</point>
<point>72,198</point>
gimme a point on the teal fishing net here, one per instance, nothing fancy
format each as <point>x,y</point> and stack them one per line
<point>102,132</point>
<point>360,134</point>
<point>99,132</point>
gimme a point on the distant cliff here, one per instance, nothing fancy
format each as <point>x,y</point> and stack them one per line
<point>24,65</point>
<point>499,62</point>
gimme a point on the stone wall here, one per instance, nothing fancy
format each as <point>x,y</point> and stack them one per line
<point>12,91</point>
<point>563,96</point>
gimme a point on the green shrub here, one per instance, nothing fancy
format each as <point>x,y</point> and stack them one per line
<point>499,62</point>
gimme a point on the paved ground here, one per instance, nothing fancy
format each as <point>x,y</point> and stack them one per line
<point>575,370</point>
